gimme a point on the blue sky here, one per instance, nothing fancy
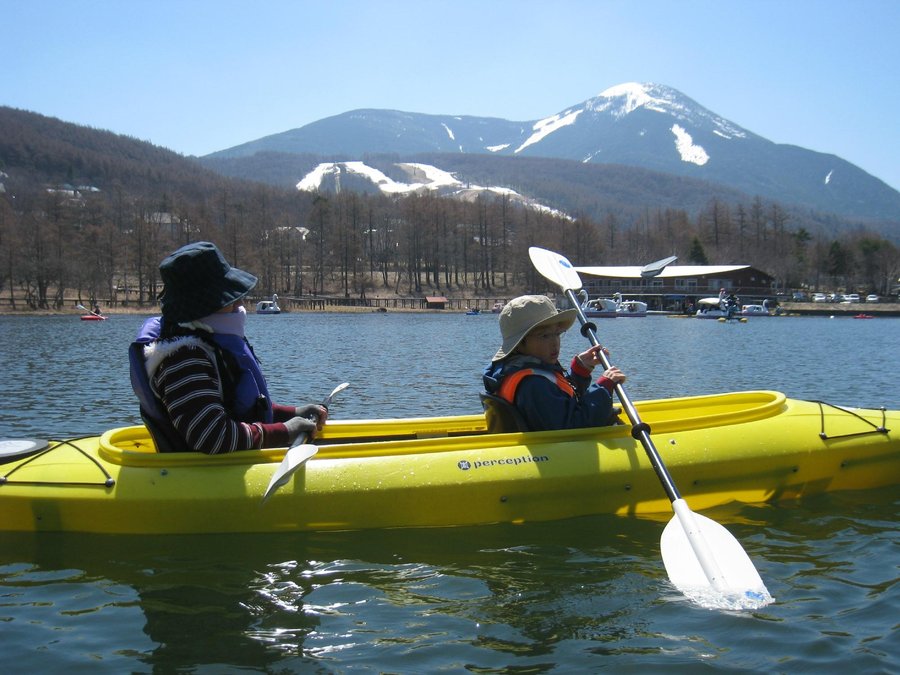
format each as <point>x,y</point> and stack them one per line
<point>197,76</point>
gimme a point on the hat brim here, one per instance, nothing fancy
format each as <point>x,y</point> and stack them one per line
<point>237,284</point>
<point>230,288</point>
<point>565,317</point>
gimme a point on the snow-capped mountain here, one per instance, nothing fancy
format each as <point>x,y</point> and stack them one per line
<point>649,126</point>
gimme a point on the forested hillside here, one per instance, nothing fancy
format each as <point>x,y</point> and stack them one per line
<point>94,212</point>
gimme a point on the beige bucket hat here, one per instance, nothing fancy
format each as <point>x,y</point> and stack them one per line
<point>522,315</point>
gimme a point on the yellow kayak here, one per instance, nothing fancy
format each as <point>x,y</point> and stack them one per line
<point>754,446</point>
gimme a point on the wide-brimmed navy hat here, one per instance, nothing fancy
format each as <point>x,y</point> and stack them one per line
<point>198,281</point>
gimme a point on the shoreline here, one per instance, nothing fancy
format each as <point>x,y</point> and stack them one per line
<point>322,303</point>
<point>155,311</point>
<point>796,309</point>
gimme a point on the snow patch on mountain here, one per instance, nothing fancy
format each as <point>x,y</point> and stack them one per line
<point>497,148</point>
<point>828,177</point>
<point>435,177</point>
<point>545,127</point>
<point>424,177</point>
<point>449,131</point>
<point>314,178</point>
<point>687,149</point>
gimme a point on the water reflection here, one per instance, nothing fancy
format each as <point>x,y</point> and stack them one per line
<point>532,596</point>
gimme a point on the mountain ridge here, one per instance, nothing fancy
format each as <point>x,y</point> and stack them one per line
<point>648,126</point>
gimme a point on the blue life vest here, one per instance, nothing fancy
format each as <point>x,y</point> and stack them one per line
<point>245,393</point>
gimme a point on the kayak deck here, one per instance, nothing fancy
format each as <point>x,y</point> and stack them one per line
<point>381,437</point>
<point>754,446</point>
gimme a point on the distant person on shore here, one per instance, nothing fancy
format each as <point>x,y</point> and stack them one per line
<point>198,381</point>
<point>526,371</point>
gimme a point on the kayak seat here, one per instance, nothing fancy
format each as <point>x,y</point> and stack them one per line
<point>502,416</point>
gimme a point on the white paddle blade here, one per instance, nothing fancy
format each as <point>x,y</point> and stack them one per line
<point>706,563</point>
<point>337,390</point>
<point>555,267</point>
<point>293,460</point>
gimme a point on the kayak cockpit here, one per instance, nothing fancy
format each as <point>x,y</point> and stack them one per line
<point>377,437</point>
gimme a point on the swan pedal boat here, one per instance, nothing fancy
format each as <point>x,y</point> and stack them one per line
<point>752,447</point>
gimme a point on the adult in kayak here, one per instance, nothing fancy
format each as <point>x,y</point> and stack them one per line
<point>197,379</point>
<point>526,371</point>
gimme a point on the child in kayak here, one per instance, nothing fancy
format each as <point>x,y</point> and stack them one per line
<point>197,379</point>
<point>526,372</point>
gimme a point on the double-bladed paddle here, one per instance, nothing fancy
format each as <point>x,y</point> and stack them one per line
<point>298,454</point>
<point>703,560</point>
<point>85,309</point>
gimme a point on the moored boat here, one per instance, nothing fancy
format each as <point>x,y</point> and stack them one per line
<point>610,308</point>
<point>756,446</point>
<point>600,308</point>
<point>631,308</point>
<point>711,308</point>
<point>754,310</point>
<point>268,306</point>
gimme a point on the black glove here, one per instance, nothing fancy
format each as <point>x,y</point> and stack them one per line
<point>297,426</point>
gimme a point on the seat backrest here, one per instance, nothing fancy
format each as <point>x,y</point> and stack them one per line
<point>501,416</point>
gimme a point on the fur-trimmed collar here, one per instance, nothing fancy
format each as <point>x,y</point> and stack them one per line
<point>155,352</point>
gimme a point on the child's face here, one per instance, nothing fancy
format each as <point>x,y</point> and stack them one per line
<point>543,343</point>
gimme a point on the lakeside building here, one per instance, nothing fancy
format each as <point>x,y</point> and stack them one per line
<point>678,287</point>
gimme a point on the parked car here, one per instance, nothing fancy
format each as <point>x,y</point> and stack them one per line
<point>799,296</point>
<point>872,298</point>
<point>850,297</point>
<point>819,297</point>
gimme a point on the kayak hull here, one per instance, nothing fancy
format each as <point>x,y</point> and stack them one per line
<point>748,447</point>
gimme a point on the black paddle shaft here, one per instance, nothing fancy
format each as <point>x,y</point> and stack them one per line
<point>640,431</point>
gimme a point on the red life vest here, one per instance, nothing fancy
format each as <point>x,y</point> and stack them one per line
<point>510,383</point>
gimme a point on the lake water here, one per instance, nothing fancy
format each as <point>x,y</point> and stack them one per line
<point>582,595</point>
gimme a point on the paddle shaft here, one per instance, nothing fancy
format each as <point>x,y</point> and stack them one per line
<point>685,526</point>
<point>82,307</point>
<point>639,430</point>
<point>304,436</point>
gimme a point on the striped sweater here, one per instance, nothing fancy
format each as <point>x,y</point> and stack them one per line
<point>184,376</point>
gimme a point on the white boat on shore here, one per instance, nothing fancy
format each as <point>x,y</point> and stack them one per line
<point>268,306</point>
<point>754,310</point>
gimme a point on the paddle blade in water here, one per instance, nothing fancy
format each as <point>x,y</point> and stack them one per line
<point>736,583</point>
<point>293,460</point>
